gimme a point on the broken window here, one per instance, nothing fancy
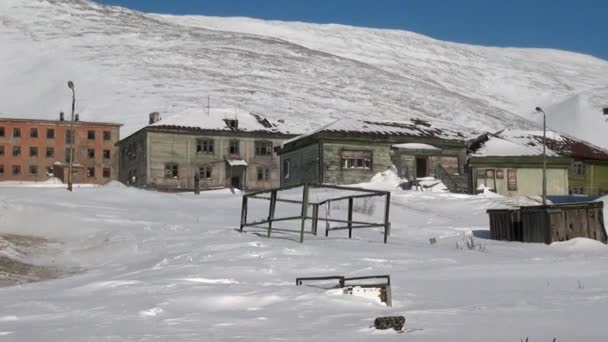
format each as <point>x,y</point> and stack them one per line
<point>33,170</point>
<point>16,151</point>
<point>356,160</point>
<point>16,170</point>
<point>106,172</point>
<point>50,133</point>
<point>171,170</point>
<point>107,135</point>
<point>1,150</point>
<point>512,180</point>
<point>33,132</point>
<point>1,170</point>
<point>91,153</point>
<point>263,148</point>
<point>1,131</point>
<point>204,172</point>
<point>204,146</point>
<point>50,152</point>
<point>16,132</point>
<point>579,168</point>
<point>233,147</point>
<point>106,154</point>
<point>263,174</point>
<point>286,169</point>
<point>91,135</point>
<point>91,172</point>
<point>67,155</point>
<point>33,151</point>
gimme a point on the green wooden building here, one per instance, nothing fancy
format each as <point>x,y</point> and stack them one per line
<point>352,151</point>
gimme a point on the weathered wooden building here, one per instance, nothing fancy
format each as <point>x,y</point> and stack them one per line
<point>221,148</point>
<point>512,166</point>
<point>351,151</point>
<point>36,150</point>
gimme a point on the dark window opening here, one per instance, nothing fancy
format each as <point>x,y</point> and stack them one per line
<point>204,172</point>
<point>1,131</point>
<point>91,172</point>
<point>67,155</point>
<point>33,132</point>
<point>16,151</point>
<point>263,174</point>
<point>106,172</point>
<point>91,153</point>
<point>68,137</point>
<point>204,146</point>
<point>33,151</point>
<point>91,135</point>
<point>107,135</point>
<point>33,170</point>
<point>233,147</point>
<point>16,170</point>
<point>50,152</point>
<point>50,133</point>
<point>1,150</point>
<point>106,154</point>
<point>263,148</point>
<point>171,170</point>
<point>1,170</point>
<point>16,132</point>
<point>286,169</point>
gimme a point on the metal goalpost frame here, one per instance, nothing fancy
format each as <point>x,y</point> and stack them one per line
<point>271,195</point>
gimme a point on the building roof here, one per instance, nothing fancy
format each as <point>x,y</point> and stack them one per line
<point>60,122</point>
<point>416,146</point>
<point>221,120</point>
<point>413,128</point>
<point>512,143</point>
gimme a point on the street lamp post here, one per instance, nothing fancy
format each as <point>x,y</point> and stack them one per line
<point>540,110</point>
<point>71,86</point>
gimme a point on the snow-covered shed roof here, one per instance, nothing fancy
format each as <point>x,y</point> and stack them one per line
<point>414,128</point>
<point>515,143</point>
<point>221,120</point>
<point>416,146</point>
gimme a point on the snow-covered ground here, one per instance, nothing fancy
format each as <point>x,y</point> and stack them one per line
<point>148,266</point>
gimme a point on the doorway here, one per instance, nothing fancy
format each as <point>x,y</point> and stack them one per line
<point>235,182</point>
<point>421,167</point>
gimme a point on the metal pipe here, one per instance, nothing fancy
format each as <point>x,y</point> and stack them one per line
<point>72,137</point>
<point>538,109</point>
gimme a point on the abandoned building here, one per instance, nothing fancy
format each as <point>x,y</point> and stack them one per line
<point>511,165</point>
<point>36,150</point>
<point>220,148</point>
<point>351,151</point>
<point>510,162</point>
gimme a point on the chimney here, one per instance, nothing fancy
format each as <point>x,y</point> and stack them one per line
<point>154,117</point>
<point>76,117</point>
<point>61,118</point>
<point>605,110</point>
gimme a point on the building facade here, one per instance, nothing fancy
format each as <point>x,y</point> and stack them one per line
<point>218,150</point>
<point>352,151</point>
<point>36,150</point>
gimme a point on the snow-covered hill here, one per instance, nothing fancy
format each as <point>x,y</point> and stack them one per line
<point>126,64</point>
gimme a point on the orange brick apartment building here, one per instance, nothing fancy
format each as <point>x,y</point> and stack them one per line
<point>35,150</point>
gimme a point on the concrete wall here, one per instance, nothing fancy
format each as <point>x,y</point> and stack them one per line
<point>529,181</point>
<point>41,163</point>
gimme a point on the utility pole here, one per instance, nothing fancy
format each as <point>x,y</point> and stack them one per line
<point>540,110</point>
<point>72,137</point>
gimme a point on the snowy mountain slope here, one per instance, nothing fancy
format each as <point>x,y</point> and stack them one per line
<point>126,64</point>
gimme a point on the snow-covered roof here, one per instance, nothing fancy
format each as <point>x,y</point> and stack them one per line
<point>236,162</point>
<point>416,146</point>
<point>511,142</point>
<point>220,120</point>
<point>414,128</point>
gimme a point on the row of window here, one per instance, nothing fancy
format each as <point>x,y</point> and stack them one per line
<point>33,171</point>
<point>50,152</point>
<point>50,134</point>
<point>262,148</point>
<point>492,175</point>
<point>205,172</point>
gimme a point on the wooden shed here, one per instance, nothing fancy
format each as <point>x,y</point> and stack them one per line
<point>549,223</point>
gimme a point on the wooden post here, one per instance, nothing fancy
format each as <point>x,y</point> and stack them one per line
<point>304,211</point>
<point>350,218</point>
<point>273,205</point>
<point>243,212</point>
<point>327,217</point>
<point>197,184</point>
<point>315,218</point>
<point>387,224</point>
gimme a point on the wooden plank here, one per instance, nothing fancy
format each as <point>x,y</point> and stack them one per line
<point>350,218</point>
<point>387,224</point>
<point>304,211</point>
<point>243,212</point>
<point>271,209</point>
<point>315,218</point>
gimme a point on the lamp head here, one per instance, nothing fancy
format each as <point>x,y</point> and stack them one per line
<point>71,85</point>
<point>538,109</point>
